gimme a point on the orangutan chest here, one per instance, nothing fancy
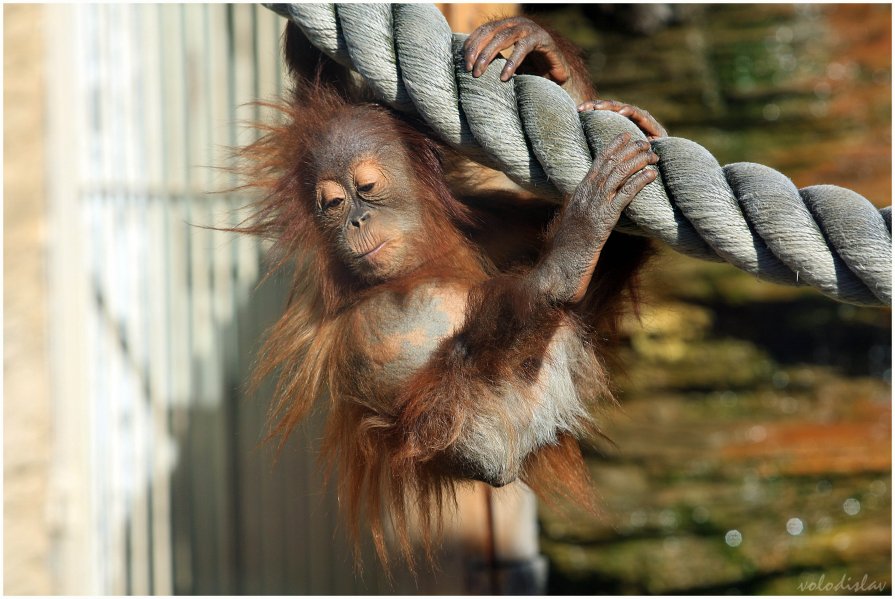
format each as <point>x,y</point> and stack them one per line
<point>397,334</point>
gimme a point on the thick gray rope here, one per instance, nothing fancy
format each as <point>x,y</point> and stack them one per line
<point>746,214</point>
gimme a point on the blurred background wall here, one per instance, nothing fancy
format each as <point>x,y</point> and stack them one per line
<point>752,448</point>
<point>26,386</point>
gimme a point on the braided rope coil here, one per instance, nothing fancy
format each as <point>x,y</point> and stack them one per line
<point>749,215</point>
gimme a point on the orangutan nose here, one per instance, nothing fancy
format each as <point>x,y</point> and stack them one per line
<point>358,217</point>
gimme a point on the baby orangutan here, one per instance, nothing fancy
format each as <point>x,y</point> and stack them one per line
<point>443,359</point>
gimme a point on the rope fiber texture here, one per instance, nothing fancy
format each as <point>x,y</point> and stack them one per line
<point>749,215</point>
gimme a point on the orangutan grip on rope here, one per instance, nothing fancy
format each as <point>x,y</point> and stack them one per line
<point>527,128</point>
<point>446,356</point>
<point>539,52</point>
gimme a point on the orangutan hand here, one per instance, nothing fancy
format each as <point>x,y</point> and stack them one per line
<point>531,45</point>
<point>649,125</point>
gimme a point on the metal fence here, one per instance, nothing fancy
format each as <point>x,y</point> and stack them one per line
<point>160,485</point>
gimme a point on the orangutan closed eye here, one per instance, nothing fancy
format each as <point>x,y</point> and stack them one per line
<point>454,340</point>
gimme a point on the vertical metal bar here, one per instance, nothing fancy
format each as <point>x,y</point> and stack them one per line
<point>217,48</point>
<point>238,26</point>
<point>167,150</point>
<point>261,534</point>
<point>73,503</point>
<point>173,100</point>
<point>207,544</point>
<point>99,445</point>
<point>110,403</point>
<point>135,351</point>
<point>122,317</point>
<point>286,490</point>
<point>116,399</point>
<point>97,412</point>
<point>157,330</point>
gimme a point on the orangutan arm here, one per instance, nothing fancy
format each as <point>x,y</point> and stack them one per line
<point>503,384</point>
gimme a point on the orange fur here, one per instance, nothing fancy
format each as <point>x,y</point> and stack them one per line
<point>389,464</point>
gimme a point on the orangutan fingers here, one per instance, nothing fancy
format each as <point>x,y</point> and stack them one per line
<point>500,41</point>
<point>522,49</point>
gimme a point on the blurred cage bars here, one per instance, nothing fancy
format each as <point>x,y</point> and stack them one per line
<point>159,485</point>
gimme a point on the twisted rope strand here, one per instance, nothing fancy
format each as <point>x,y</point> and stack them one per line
<point>749,215</point>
